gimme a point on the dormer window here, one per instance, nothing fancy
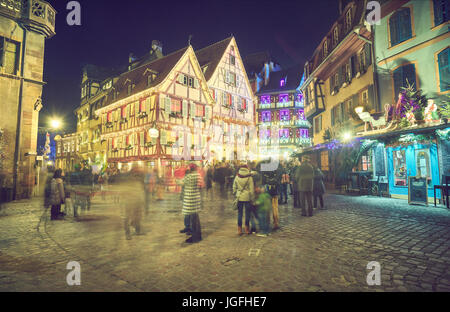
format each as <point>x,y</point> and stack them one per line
<point>150,78</point>
<point>129,89</point>
<point>282,82</point>
<point>325,48</point>
<point>348,19</point>
<point>335,36</point>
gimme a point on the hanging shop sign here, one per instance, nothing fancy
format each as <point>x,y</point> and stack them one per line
<point>417,190</point>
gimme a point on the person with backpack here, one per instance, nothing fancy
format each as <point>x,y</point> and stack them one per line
<point>272,180</point>
<point>284,184</point>
<point>57,194</point>
<point>243,189</point>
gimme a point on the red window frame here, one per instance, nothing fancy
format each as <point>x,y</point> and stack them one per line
<point>109,117</point>
<point>199,110</point>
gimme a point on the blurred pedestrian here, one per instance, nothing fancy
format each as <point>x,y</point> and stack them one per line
<point>243,189</point>
<point>318,187</point>
<point>305,177</point>
<point>284,184</point>
<point>57,195</point>
<point>264,205</point>
<point>192,203</point>
<point>296,194</point>
<point>131,186</point>
<point>68,205</point>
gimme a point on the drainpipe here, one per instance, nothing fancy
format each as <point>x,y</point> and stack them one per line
<point>19,115</point>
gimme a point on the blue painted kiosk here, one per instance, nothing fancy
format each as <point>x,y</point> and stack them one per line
<point>413,154</point>
<point>412,160</point>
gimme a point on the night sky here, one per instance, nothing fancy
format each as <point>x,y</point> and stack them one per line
<point>110,29</point>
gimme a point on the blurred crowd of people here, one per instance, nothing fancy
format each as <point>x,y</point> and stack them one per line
<point>256,190</point>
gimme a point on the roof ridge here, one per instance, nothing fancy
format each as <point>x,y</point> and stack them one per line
<point>151,62</point>
<point>229,38</point>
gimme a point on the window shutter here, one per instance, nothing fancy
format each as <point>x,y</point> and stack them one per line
<point>355,102</point>
<point>184,108</point>
<point>192,109</point>
<point>181,78</point>
<point>203,141</point>
<point>367,55</point>
<point>181,138</point>
<point>128,109</point>
<point>353,65</point>
<point>147,105</point>
<point>238,80</point>
<point>333,113</point>
<point>331,84</point>
<point>167,104</point>
<point>405,24</point>
<point>141,138</point>
<point>207,112</point>
<point>370,98</point>
<point>227,76</point>
<point>136,108</point>
<point>438,6</point>
<point>163,137</point>
<point>444,69</point>
<point>393,29</point>
<point>196,83</point>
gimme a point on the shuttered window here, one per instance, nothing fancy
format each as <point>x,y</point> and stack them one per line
<point>403,75</point>
<point>441,11</point>
<point>444,70</point>
<point>400,26</point>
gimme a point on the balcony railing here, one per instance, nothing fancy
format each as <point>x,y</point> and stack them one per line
<point>37,15</point>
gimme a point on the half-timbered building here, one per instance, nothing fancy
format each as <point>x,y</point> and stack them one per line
<point>157,112</point>
<point>233,126</point>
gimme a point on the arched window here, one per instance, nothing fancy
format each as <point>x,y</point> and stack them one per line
<point>402,75</point>
<point>444,69</point>
<point>441,11</point>
<point>400,26</point>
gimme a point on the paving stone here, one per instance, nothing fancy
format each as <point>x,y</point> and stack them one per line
<point>327,252</point>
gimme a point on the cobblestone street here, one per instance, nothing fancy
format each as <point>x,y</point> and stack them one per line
<point>326,252</point>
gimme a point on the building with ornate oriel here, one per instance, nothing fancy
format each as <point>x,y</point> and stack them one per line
<point>282,125</point>
<point>24,27</point>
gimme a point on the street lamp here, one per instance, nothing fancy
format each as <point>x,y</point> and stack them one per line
<point>346,137</point>
<point>55,123</point>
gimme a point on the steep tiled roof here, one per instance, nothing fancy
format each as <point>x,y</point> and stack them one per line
<point>293,76</point>
<point>211,56</point>
<point>162,66</point>
<point>358,11</point>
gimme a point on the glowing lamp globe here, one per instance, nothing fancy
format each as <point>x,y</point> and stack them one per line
<point>55,123</point>
<point>153,133</point>
<point>359,109</point>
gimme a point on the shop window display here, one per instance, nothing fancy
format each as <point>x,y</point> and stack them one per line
<point>400,173</point>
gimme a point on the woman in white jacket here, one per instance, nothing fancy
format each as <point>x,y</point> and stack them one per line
<point>243,189</point>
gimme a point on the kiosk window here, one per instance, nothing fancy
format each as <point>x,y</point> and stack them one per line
<point>399,167</point>
<point>423,163</point>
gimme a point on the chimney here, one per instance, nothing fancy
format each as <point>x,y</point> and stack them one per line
<point>156,48</point>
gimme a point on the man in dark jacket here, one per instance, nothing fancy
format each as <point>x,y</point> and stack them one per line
<point>272,179</point>
<point>305,176</point>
